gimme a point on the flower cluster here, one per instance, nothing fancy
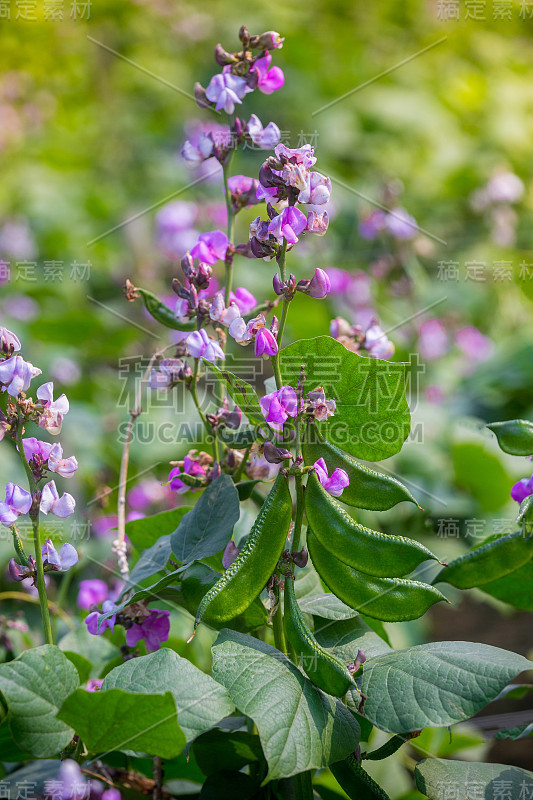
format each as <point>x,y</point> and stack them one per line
<point>141,623</point>
<point>374,340</point>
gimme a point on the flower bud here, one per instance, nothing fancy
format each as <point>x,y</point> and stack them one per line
<point>188,267</point>
<point>261,249</point>
<point>359,661</point>
<point>270,40</point>
<point>222,57</point>
<point>244,36</point>
<point>200,96</point>
<point>319,285</point>
<point>301,558</point>
<point>16,572</point>
<point>203,276</point>
<point>275,455</point>
<point>278,284</point>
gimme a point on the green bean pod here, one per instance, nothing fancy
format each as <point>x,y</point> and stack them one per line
<point>368,489</point>
<point>515,436</point>
<point>388,599</point>
<point>326,671</point>
<point>244,580</point>
<point>489,562</point>
<point>162,313</point>
<point>368,551</point>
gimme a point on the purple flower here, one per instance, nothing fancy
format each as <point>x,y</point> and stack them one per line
<point>269,79</point>
<point>296,155</point>
<point>18,501</point>
<point>210,247</point>
<point>474,344</point>
<point>9,343</point>
<point>199,150</point>
<point>94,685</point>
<point>190,467</point>
<point>17,374</point>
<point>271,40</point>
<point>154,629</point>
<point>265,343</point>
<point>145,493</point>
<point>66,467</point>
<point>334,483</point>
<point>201,346</point>
<point>317,189</point>
<point>231,551</point>
<point>522,489</point>
<point>288,224</point>
<point>372,225</point>
<point>400,224</point>
<point>91,592</point>
<point>377,343</point>
<point>243,332</point>
<point>53,411</point>
<point>61,561</point>
<point>219,313</point>
<point>51,502</point>
<point>175,230</point>
<point>317,404</point>
<point>319,286</point>
<point>91,620</point>
<point>244,299</point>
<point>243,191</point>
<point>260,469</point>
<point>317,223</point>
<point>266,138</point>
<point>35,448</point>
<point>17,572</point>
<point>71,780</point>
<point>433,342</point>
<point>278,406</point>
<point>225,90</point>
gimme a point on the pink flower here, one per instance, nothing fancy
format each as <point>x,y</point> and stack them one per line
<point>317,223</point>
<point>154,629</point>
<point>17,374</point>
<point>9,343</point>
<point>334,483</point>
<point>433,342</point>
<point>377,343</point>
<point>265,343</point>
<point>243,191</point>
<point>190,467</point>
<point>278,406</point>
<point>266,138</point>
<point>210,247</point>
<point>225,90</point>
<point>18,501</point>
<point>93,685</point>
<point>175,232</point>
<point>372,225</point>
<point>35,448</point>
<point>66,467</point>
<point>317,189</point>
<point>91,592</point>
<point>296,155</point>
<point>260,469</point>
<point>269,79</point>
<point>201,346</point>
<point>53,411</point>
<point>288,224</point>
<point>219,313</point>
<point>319,286</point>
<point>61,561</point>
<point>522,489</point>
<point>243,332</point>
<point>474,344</point>
<point>51,502</point>
<point>229,555</point>
<point>199,150</point>
<point>91,620</point>
<point>400,224</point>
<point>244,299</point>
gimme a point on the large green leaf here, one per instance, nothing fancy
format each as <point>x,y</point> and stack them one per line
<point>207,528</point>
<point>218,750</point>
<point>151,561</point>
<point>489,562</point>
<point>372,418</point>
<point>96,650</point>
<point>438,778</point>
<point>482,474</point>
<point>326,605</point>
<point>144,532</point>
<point>242,393</point>
<point>435,684</point>
<point>514,436</point>
<point>515,589</point>
<point>344,638</point>
<point>300,727</point>
<point>119,720</point>
<point>35,685</point>
<point>201,702</point>
<point>34,778</point>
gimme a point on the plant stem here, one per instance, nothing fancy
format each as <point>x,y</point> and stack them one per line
<point>158,778</point>
<point>296,534</point>
<point>240,469</point>
<point>231,227</point>
<point>194,395</point>
<point>277,624</point>
<point>34,515</point>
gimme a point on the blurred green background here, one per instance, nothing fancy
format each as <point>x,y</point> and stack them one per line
<point>93,113</point>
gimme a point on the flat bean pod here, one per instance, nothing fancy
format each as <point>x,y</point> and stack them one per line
<point>489,562</point>
<point>326,671</point>
<point>368,488</point>
<point>388,599</point>
<point>368,551</point>
<point>244,580</point>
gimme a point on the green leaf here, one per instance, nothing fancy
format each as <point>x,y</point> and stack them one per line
<point>489,562</point>
<point>482,474</point>
<point>242,394</point>
<point>151,561</point>
<point>162,590</point>
<point>326,605</point>
<point>521,732</point>
<point>143,533</point>
<point>525,514</point>
<point>372,418</point>
<point>245,488</point>
<point>226,785</point>
<point>515,589</point>
<point>344,638</point>
<point>96,650</point>
<point>357,783</point>
<point>34,686</point>
<point>201,702</point>
<point>514,436</point>
<point>34,778</point>
<point>470,780</point>
<point>217,750</point>
<point>300,727</point>
<point>207,528</point>
<point>435,684</point>
<point>368,488</point>
<point>8,749</point>
<point>118,720</point>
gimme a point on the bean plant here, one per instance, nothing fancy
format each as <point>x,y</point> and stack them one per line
<point>302,669</point>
